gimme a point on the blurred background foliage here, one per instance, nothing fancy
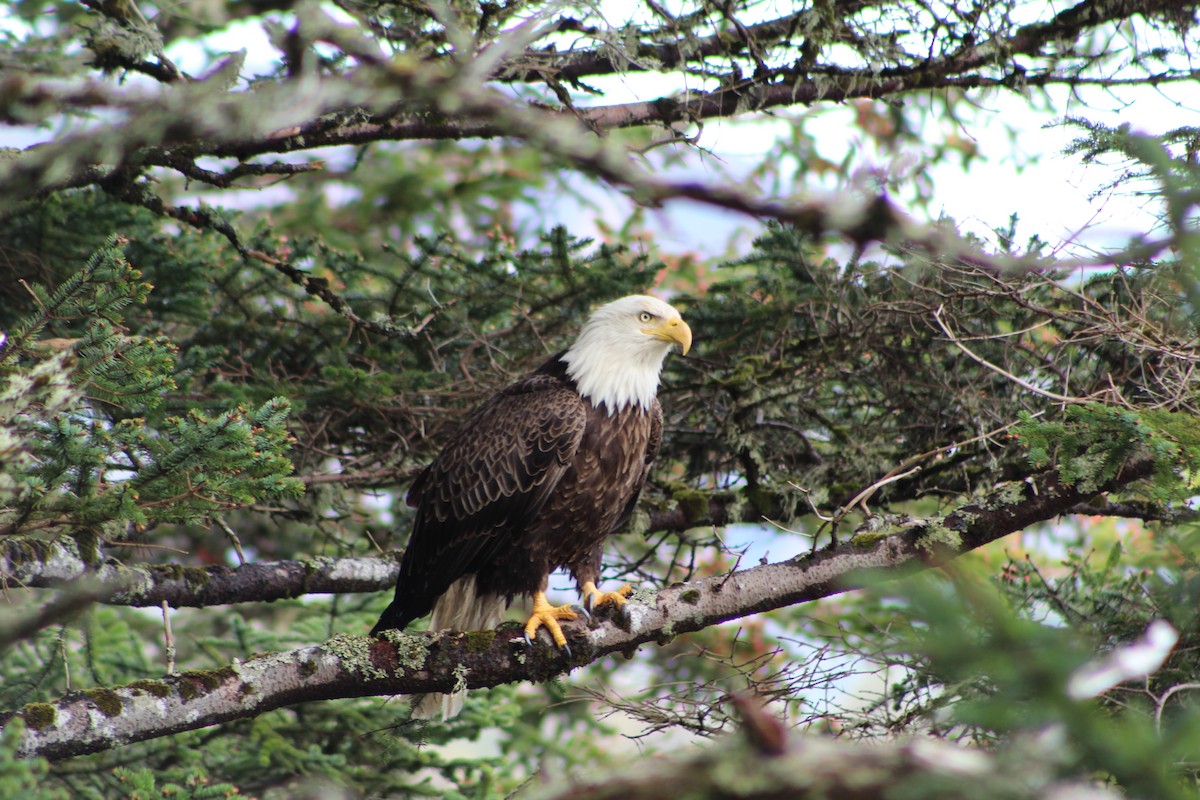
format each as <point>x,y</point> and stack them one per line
<point>179,386</point>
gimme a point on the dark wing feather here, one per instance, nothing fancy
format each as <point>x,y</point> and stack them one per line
<point>489,481</point>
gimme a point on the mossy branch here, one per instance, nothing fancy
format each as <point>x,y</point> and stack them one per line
<point>358,666</point>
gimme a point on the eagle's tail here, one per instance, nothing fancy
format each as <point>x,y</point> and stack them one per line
<point>461,608</point>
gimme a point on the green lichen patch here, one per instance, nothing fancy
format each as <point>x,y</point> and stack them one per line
<point>460,677</point>
<point>354,653</point>
<point>1005,495</point>
<point>645,597</point>
<point>108,701</point>
<point>412,649</point>
<point>39,716</point>
<point>690,596</point>
<point>938,535</point>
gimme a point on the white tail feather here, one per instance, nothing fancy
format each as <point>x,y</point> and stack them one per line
<point>460,609</point>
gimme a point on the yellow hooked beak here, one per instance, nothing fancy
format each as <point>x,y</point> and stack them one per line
<point>673,330</point>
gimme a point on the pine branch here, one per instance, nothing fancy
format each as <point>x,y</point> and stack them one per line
<point>357,666</point>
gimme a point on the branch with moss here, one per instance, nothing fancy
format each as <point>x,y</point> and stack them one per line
<point>40,564</point>
<point>414,663</point>
<point>386,99</point>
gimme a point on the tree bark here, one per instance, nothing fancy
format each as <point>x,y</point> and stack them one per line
<point>411,663</point>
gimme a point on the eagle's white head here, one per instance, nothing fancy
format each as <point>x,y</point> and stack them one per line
<point>619,354</point>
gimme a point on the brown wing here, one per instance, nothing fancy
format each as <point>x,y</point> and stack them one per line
<point>491,479</point>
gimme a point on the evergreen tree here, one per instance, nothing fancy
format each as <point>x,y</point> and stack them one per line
<point>919,488</point>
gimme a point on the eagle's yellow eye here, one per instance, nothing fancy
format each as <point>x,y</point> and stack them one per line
<point>645,317</point>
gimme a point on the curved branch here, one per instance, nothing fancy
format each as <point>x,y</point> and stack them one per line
<point>357,666</point>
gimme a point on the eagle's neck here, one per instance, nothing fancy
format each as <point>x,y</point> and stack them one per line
<point>608,372</point>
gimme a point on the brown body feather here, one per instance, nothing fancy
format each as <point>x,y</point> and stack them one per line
<point>536,479</point>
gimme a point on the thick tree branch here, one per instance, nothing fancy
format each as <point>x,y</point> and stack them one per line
<point>175,127</point>
<point>357,666</point>
<point>36,563</point>
<point>41,564</point>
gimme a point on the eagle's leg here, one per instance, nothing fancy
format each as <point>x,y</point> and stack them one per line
<point>547,615</point>
<point>593,597</point>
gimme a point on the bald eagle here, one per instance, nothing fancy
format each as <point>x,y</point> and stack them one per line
<point>536,479</point>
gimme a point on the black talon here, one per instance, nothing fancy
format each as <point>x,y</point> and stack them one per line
<point>584,611</point>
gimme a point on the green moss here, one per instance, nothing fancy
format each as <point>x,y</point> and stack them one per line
<point>480,641</point>
<point>314,566</point>
<point>39,716</point>
<point>210,679</point>
<point>22,550</point>
<point>155,688</point>
<point>868,539</point>
<point>308,668</point>
<point>692,502</point>
<point>108,701</point>
<point>762,500</point>
<point>193,683</point>
<point>192,576</point>
<point>690,596</point>
<point>88,545</point>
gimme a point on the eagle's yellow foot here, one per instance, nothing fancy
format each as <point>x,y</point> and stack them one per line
<point>593,597</point>
<point>547,615</point>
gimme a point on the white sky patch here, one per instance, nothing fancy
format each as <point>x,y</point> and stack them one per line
<point>1136,660</point>
<point>380,505</point>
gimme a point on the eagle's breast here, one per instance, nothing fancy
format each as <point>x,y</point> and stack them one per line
<point>595,492</point>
